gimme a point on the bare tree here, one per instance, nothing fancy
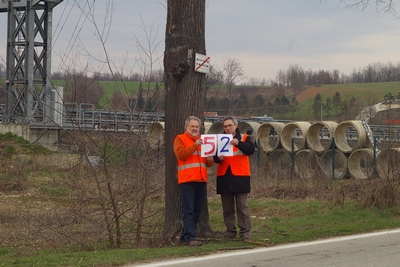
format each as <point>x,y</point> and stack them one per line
<point>381,6</point>
<point>75,82</point>
<point>184,88</point>
<point>233,72</point>
<point>118,179</point>
<point>253,81</point>
<point>215,77</point>
<point>296,78</point>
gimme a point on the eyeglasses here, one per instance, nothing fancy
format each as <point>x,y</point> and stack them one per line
<point>228,125</point>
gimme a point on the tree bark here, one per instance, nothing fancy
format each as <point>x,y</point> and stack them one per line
<point>184,89</point>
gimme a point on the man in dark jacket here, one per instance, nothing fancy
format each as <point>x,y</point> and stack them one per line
<point>233,181</point>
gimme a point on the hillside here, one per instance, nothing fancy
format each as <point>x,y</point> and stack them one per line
<point>365,95</point>
<point>364,92</point>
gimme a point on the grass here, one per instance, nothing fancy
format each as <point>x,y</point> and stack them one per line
<point>128,88</point>
<point>274,222</point>
<point>365,94</point>
<point>12,141</point>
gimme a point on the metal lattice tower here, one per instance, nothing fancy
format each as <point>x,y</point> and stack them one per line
<point>29,38</point>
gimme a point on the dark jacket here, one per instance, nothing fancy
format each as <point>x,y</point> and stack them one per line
<point>230,183</point>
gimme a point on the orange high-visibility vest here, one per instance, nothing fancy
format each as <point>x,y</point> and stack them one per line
<point>194,168</point>
<point>239,162</point>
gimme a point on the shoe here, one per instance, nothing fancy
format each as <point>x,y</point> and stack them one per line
<point>228,235</point>
<point>246,239</point>
<point>194,243</point>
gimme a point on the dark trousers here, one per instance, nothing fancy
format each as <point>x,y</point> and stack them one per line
<point>230,201</point>
<point>192,200</point>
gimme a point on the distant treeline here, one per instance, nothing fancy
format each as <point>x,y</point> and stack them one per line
<point>295,76</point>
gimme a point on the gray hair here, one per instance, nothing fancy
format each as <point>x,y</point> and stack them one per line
<point>192,118</point>
<point>230,118</point>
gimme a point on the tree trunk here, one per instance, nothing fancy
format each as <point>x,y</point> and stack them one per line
<point>184,89</point>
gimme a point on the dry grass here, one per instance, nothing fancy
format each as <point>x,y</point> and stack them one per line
<point>53,206</point>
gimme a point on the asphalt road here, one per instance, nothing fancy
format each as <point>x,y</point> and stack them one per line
<point>378,249</point>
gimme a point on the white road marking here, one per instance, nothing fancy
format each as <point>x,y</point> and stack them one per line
<point>258,250</point>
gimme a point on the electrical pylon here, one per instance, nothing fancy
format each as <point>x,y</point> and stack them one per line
<point>29,44</point>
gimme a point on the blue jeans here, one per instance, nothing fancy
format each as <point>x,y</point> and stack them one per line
<point>192,200</point>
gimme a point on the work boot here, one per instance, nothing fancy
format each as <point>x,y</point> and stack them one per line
<point>229,235</point>
<point>194,243</point>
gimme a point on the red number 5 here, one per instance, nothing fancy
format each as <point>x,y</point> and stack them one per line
<point>212,144</point>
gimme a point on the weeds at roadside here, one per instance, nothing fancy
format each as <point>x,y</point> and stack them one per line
<point>57,208</point>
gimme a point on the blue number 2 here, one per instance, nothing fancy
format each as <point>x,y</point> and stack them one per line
<point>223,149</point>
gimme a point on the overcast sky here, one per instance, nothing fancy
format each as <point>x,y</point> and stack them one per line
<point>263,35</point>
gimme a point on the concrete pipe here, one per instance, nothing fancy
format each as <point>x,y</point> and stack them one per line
<point>320,136</point>
<point>247,126</point>
<point>207,126</point>
<point>244,126</point>
<point>339,164</point>
<point>306,164</point>
<point>279,163</point>
<point>351,135</point>
<point>156,134</point>
<point>268,136</point>
<point>388,164</point>
<point>296,130</point>
<point>361,163</point>
<point>216,128</point>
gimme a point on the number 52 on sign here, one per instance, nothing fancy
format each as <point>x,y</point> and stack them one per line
<point>216,144</point>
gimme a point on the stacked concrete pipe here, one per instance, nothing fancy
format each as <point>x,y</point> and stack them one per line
<point>388,164</point>
<point>343,141</point>
<point>297,131</point>
<point>320,136</point>
<point>216,128</point>
<point>156,134</point>
<point>279,163</point>
<point>306,164</point>
<point>267,136</point>
<point>340,164</point>
<point>361,163</point>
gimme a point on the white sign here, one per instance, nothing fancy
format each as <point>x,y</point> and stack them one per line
<point>202,64</point>
<point>209,146</point>
<point>225,148</point>
<point>216,144</point>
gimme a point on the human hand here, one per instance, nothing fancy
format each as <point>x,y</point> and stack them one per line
<point>199,142</point>
<point>235,142</point>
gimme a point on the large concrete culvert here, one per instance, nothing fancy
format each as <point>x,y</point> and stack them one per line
<point>245,126</point>
<point>320,136</point>
<point>388,164</point>
<point>207,126</point>
<point>279,163</point>
<point>268,136</point>
<point>336,161</point>
<point>216,128</point>
<point>351,135</point>
<point>306,164</point>
<point>361,163</point>
<point>296,130</point>
<point>156,134</point>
